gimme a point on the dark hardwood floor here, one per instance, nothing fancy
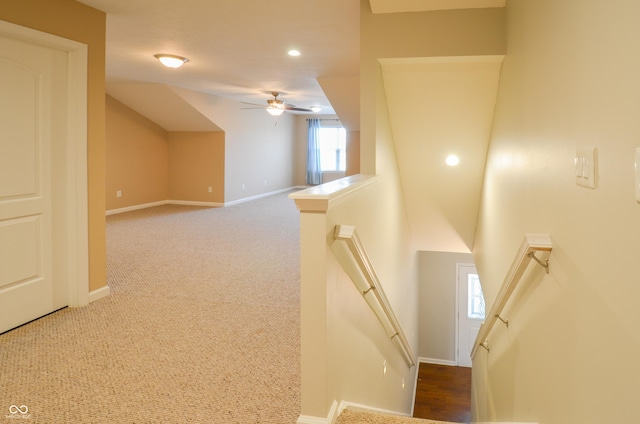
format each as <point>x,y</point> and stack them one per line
<point>443,393</point>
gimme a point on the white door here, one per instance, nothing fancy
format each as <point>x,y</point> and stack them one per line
<point>471,312</point>
<point>33,121</point>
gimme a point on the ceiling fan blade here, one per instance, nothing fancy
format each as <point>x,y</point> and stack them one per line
<point>299,109</point>
<point>254,104</point>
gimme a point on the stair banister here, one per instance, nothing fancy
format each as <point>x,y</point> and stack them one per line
<point>373,293</point>
<point>532,243</point>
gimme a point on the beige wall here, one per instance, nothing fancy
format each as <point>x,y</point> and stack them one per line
<point>259,149</point>
<point>353,153</point>
<point>78,22</point>
<point>425,34</point>
<point>569,81</point>
<point>196,163</point>
<point>437,273</point>
<point>380,212</point>
<point>137,162</point>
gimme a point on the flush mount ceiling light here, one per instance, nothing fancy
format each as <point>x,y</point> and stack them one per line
<point>294,52</point>
<point>171,61</point>
<point>452,160</point>
<point>315,109</point>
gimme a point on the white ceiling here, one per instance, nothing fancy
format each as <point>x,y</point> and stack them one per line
<point>438,107</point>
<point>236,49</point>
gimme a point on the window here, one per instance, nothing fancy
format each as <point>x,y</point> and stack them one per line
<point>333,143</point>
<point>476,299</point>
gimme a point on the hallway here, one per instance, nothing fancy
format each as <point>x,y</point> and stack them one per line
<point>443,393</point>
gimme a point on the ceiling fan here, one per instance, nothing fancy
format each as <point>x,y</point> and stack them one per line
<point>275,106</point>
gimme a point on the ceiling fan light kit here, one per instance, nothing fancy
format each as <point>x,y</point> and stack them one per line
<point>277,107</point>
<point>275,111</point>
<point>171,60</point>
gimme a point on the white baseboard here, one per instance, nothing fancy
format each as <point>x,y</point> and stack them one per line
<point>258,196</point>
<point>364,408</point>
<point>136,207</point>
<point>190,203</point>
<point>99,294</point>
<point>330,419</point>
<point>193,203</point>
<point>336,410</point>
<point>437,361</point>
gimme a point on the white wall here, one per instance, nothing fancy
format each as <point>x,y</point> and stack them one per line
<point>437,275</point>
<point>569,81</point>
<point>256,149</point>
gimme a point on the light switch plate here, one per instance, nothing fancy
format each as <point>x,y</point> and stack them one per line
<point>586,167</point>
<point>637,172</point>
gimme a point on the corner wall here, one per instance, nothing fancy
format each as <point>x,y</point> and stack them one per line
<point>259,149</point>
<point>569,81</point>
<point>137,160</point>
<point>196,163</point>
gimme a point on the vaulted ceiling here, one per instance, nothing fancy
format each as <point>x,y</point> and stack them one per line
<point>238,50</point>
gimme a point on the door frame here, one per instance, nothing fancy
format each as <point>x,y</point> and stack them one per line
<point>77,215</point>
<point>457,321</point>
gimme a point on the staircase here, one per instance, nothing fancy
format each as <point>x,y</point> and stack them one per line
<point>349,416</point>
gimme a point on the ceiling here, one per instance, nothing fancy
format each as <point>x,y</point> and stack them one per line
<point>237,49</point>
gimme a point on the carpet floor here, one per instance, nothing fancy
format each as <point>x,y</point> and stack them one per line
<point>357,417</point>
<point>202,325</point>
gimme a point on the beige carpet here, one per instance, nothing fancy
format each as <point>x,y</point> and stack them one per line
<point>356,417</point>
<point>202,325</point>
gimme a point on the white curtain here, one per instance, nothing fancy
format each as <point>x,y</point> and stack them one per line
<point>314,170</point>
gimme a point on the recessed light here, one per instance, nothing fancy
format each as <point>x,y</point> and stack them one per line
<point>171,60</point>
<point>294,52</point>
<point>452,160</point>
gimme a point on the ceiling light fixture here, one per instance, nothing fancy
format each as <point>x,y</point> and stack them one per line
<point>452,160</point>
<point>275,111</point>
<point>294,52</point>
<point>171,61</point>
<point>315,109</point>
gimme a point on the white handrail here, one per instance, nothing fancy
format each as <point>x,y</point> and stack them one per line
<point>373,293</point>
<point>532,243</point>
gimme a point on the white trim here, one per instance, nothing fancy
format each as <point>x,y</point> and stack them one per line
<point>193,203</point>
<point>364,408</point>
<point>190,203</point>
<point>435,361</point>
<point>336,410</point>
<point>77,220</point>
<point>330,419</point>
<point>256,197</point>
<point>137,207</point>
<point>457,321</point>
<point>307,419</point>
<point>99,293</point>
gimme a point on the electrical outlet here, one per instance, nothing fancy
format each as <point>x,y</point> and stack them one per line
<point>243,186</point>
<point>210,189</point>
<point>119,193</point>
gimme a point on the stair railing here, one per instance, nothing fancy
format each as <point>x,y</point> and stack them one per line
<point>532,243</point>
<point>372,291</point>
